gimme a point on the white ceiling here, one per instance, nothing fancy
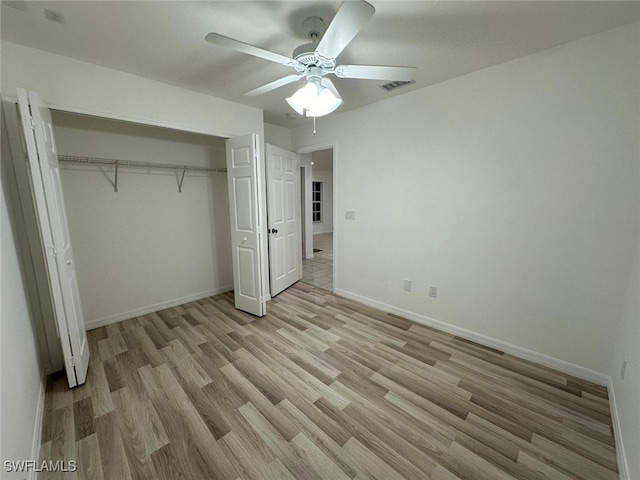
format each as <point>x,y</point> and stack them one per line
<point>164,40</point>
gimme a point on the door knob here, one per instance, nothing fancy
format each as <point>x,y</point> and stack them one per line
<point>69,262</point>
<point>273,230</point>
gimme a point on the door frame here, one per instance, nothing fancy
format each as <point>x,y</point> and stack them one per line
<point>305,214</point>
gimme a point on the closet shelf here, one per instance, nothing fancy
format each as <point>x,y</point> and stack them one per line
<point>137,164</point>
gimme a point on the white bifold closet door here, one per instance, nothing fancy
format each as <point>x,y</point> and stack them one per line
<point>46,189</point>
<point>244,177</point>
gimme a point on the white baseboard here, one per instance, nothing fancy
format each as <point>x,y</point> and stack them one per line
<point>623,466</point>
<point>321,232</point>
<point>37,428</point>
<point>515,350</point>
<point>118,317</point>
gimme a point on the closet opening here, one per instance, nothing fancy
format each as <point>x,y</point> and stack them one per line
<point>148,214</point>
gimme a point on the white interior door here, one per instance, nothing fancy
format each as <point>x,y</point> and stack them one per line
<point>243,173</point>
<point>46,185</point>
<point>284,225</point>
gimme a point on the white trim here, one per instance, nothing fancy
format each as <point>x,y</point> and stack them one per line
<point>623,466</point>
<point>118,317</point>
<point>316,147</point>
<point>333,144</point>
<point>37,428</point>
<point>126,118</point>
<point>515,350</point>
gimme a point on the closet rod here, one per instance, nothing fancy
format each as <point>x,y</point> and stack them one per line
<point>134,163</point>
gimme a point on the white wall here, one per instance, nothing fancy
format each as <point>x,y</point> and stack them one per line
<point>513,189</point>
<point>21,380</point>
<point>627,390</point>
<point>326,225</point>
<point>277,135</point>
<point>147,245</point>
<point>73,85</point>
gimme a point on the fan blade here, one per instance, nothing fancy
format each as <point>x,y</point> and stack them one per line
<point>332,88</point>
<point>350,18</point>
<point>273,85</point>
<point>375,72</point>
<point>239,46</point>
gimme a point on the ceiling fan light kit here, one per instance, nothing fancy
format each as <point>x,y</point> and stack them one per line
<point>317,98</point>
<point>313,61</point>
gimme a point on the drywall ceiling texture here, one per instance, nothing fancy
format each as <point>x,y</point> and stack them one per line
<point>513,189</point>
<point>164,41</point>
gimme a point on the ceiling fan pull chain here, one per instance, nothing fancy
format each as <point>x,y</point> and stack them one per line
<point>314,125</point>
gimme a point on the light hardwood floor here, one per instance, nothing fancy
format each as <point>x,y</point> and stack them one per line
<point>320,388</point>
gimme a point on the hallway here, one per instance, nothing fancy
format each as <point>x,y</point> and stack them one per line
<point>318,271</point>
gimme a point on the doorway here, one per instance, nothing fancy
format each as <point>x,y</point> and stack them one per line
<point>318,208</point>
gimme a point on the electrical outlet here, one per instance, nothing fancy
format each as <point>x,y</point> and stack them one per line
<point>623,367</point>
<point>433,291</point>
<point>350,215</point>
<point>407,285</point>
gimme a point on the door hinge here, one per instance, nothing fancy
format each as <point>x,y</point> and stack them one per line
<point>32,122</point>
<point>73,361</point>
<point>53,251</point>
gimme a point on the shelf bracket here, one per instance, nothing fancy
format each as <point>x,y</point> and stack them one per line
<point>181,180</point>
<point>115,178</point>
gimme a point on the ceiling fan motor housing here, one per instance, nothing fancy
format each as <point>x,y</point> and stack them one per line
<point>306,54</point>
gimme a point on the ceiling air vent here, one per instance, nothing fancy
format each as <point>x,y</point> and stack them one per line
<point>393,85</point>
<point>54,16</point>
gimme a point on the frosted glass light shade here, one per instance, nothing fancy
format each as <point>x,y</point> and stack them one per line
<point>314,101</point>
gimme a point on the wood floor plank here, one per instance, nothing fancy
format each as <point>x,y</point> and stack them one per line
<point>132,435</point>
<point>375,466</point>
<point>112,449</point>
<point>100,393</point>
<point>242,455</point>
<point>63,442</point>
<point>278,444</point>
<point>282,424</point>
<point>83,418</point>
<point>319,388</point>
<point>466,464</point>
<point>89,458</point>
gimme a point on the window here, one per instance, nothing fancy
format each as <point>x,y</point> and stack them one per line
<point>316,201</point>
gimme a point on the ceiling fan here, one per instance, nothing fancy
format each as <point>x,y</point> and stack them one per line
<point>317,59</point>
